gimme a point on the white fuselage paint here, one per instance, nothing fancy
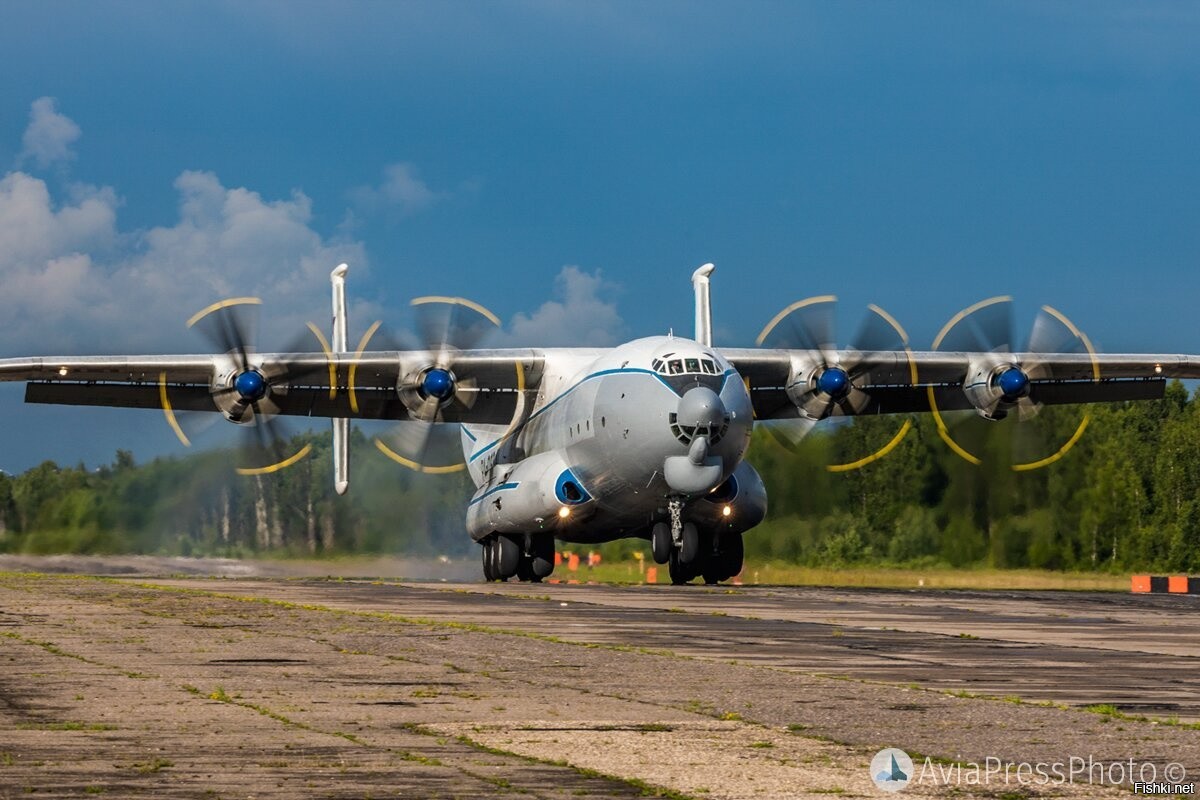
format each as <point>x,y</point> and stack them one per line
<point>605,416</point>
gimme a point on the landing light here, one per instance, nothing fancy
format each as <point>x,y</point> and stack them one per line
<point>726,511</point>
<point>63,371</point>
<point>564,512</point>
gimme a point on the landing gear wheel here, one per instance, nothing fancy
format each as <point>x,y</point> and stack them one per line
<point>689,547</point>
<point>494,559</point>
<point>732,554</point>
<point>507,558</point>
<point>525,571</point>
<point>681,573</point>
<point>542,562</point>
<point>660,542</point>
<point>485,547</point>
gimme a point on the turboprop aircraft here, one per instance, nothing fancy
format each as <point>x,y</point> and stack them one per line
<point>646,439</point>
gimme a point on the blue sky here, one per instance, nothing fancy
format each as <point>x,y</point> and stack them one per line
<point>569,164</point>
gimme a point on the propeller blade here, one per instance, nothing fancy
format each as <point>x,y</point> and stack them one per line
<point>231,326</point>
<point>986,327</point>
<point>446,326</point>
<point>269,448</point>
<point>424,447</point>
<point>838,381</point>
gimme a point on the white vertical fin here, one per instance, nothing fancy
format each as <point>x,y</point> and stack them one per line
<point>703,306</point>
<point>341,426</point>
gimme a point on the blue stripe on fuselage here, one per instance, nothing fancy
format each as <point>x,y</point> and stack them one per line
<point>502,487</point>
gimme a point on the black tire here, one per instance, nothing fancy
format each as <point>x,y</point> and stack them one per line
<point>732,554</point>
<point>680,573</point>
<point>660,542</point>
<point>689,548</point>
<point>493,558</point>
<point>525,571</point>
<point>507,558</point>
<point>486,548</point>
<point>542,563</point>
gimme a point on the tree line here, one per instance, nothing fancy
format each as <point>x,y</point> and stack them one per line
<point>1126,497</point>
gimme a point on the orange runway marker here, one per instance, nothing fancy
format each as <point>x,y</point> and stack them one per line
<point>1177,584</point>
<point>651,574</point>
<point>1141,583</point>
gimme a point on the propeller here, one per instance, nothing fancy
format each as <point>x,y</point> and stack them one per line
<point>829,382</point>
<point>1006,380</point>
<point>444,388</point>
<point>244,390</point>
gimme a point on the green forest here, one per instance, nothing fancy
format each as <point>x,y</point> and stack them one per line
<point>1124,498</point>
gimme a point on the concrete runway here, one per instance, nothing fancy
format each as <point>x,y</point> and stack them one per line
<point>274,688</point>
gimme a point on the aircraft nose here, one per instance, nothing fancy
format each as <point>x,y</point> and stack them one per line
<point>701,407</point>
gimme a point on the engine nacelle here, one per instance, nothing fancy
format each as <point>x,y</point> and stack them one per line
<point>812,384</point>
<point>234,389</point>
<point>538,493</point>
<point>995,388</point>
<point>738,504</point>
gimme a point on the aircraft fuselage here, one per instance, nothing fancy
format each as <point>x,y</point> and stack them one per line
<point>609,442</point>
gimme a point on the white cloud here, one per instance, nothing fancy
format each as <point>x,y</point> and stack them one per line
<point>580,317</point>
<point>74,282</point>
<point>400,189</point>
<point>48,139</point>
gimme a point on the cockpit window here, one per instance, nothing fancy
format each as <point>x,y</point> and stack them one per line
<point>685,366</point>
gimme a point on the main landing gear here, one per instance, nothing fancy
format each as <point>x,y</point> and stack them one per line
<point>529,557</point>
<point>714,555</point>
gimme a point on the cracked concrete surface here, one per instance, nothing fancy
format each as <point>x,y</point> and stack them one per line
<point>274,688</point>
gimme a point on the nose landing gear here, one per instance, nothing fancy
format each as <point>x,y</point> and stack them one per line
<point>689,552</point>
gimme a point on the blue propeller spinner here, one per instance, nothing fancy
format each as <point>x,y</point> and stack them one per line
<point>251,385</point>
<point>1013,382</point>
<point>438,383</point>
<point>834,381</point>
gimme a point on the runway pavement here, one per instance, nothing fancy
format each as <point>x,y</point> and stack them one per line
<point>271,688</point>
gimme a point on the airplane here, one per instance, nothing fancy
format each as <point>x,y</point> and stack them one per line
<point>643,440</point>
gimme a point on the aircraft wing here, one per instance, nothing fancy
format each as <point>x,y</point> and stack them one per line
<point>782,382</point>
<point>356,386</point>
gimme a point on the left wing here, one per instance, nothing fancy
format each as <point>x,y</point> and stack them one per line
<point>364,386</point>
<point>787,383</point>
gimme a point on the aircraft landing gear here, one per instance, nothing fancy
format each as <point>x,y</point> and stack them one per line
<point>501,557</point>
<point>725,560</point>
<point>504,558</point>
<point>537,560</point>
<point>661,542</point>
<point>717,557</point>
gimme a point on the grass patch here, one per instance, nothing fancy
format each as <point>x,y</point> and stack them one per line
<point>779,573</point>
<point>151,767</point>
